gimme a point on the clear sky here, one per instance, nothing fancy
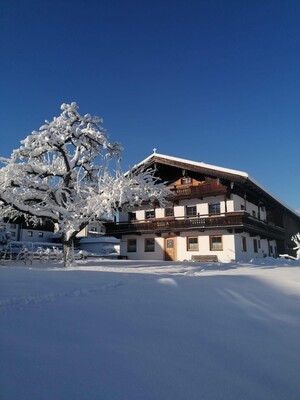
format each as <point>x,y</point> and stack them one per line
<point>214,81</point>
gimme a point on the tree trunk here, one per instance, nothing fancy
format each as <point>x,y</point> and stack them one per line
<point>68,250</point>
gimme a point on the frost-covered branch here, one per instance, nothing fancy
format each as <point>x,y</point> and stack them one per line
<point>62,173</point>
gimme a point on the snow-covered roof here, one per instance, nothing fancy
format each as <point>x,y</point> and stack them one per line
<point>195,163</point>
<point>235,173</point>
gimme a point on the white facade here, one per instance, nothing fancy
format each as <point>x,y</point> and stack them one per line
<point>227,246</point>
<point>214,213</point>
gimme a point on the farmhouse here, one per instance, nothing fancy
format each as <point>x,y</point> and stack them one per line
<point>213,214</point>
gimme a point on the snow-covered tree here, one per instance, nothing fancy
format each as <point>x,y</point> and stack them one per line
<point>63,173</point>
<point>296,240</point>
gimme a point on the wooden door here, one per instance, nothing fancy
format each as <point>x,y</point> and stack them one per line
<point>170,249</point>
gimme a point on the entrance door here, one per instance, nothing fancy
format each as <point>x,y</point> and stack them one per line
<point>170,249</point>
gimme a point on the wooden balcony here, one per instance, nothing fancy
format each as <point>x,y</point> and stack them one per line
<point>241,221</point>
<point>199,191</point>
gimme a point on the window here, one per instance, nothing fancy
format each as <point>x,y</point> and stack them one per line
<point>242,207</point>
<point>191,211</point>
<point>270,250</point>
<point>192,243</point>
<point>170,243</point>
<point>254,213</point>
<point>149,245</point>
<point>41,234</point>
<point>13,226</point>
<point>216,243</point>
<point>244,243</point>
<point>214,208</point>
<point>255,246</point>
<point>131,216</point>
<point>149,214</point>
<point>186,180</point>
<point>29,233</point>
<point>169,212</point>
<point>131,245</point>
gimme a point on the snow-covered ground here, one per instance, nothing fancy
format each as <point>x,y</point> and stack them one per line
<point>121,330</point>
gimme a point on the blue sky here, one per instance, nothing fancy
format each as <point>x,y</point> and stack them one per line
<point>214,81</point>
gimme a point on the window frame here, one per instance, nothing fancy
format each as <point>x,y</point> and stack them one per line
<point>212,212</point>
<point>188,243</point>
<point>129,245</point>
<point>131,216</point>
<point>255,245</point>
<point>150,214</point>
<point>211,244</point>
<point>193,214</point>
<point>171,209</point>
<point>186,180</point>
<point>244,244</point>
<point>147,248</point>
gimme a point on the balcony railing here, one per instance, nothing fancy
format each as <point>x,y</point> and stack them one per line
<point>233,220</point>
<point>204,190</point>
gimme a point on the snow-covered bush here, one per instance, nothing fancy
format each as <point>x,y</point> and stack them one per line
<point>63,173</point>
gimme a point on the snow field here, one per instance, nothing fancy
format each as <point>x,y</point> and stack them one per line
<point>115,330</point>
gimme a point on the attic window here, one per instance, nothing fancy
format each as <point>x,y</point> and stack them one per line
<point>186,180</point>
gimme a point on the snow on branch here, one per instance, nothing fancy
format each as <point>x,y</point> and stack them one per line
<point>62,173</point>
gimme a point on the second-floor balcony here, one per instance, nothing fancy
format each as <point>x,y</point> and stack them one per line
<point>231,220</point>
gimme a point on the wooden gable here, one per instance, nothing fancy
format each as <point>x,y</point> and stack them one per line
<point>185,181</point>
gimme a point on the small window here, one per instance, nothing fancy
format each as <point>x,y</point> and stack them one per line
<point>191,211</point>
<point>244,243</point>
<point>29,233</point>
<point>131,245</point>
<point>253,213</point>
<point>214,208</point>
<point>13,226</point>
<point>131,216</point>
<point>170,244</point>
<point>41,234</point>
<point>216,243</point>
<point>255,245</point>
<point>149,245</point>
<point>13,234</point>
<point>242,207</point>
<point>192,244</point>
<point>149,214</point>
<point>169,212</point>
<point>186,180</point>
